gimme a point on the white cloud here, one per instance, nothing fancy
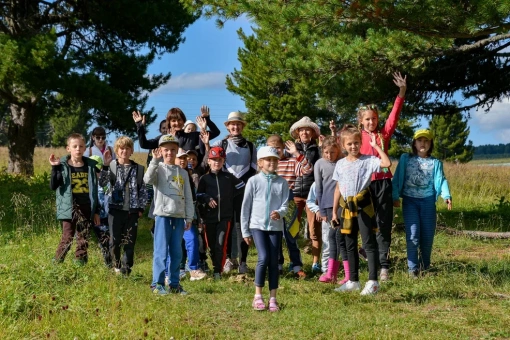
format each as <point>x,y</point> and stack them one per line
<point>184,81</point>
<point>496,121</point>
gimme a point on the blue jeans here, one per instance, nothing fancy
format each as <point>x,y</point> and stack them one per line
<point>191,244</point>
<point>268,248</point>
<point>420,221</point>
<point>168,233</point>
<point>292,247</point>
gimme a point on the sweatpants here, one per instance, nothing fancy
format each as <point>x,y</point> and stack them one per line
<point>191,247</point>
<point>337,246</point>
<point>79,227</point>
<point>420,222</point>
<point>364,225</point>
<point>168,233</point>
<point>325,246</point>
<point>381,191</point>
<point>217,236</point>
<point>268,247</point>
<point>123,233</point>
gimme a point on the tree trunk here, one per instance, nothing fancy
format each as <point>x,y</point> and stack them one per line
<point>21,134</point>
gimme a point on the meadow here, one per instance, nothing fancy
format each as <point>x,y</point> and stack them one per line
<point>465,295</point>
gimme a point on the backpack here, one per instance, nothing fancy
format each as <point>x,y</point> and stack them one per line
<point>139,173</point>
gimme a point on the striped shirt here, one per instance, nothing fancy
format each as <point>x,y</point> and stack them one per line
<point>290,168</point>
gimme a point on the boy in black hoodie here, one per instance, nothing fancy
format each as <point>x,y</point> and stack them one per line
<point>216,191</point>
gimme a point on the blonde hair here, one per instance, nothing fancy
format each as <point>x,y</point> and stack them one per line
<point>75,136</point>
<point>123,142</point>
<point>364,108</point>
<point>349,130</point>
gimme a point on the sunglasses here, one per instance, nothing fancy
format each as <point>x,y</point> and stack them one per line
<point>368,107</point>
<point>100,137</point>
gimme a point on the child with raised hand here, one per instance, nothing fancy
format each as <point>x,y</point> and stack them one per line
<point>74,179</point>
<point>325,189</point>
<point>353,175</point>
<point>380,188</point>
<point>264,205</point>
<point>419,179</point>
<point>128,200</point>
<point>174,213</point>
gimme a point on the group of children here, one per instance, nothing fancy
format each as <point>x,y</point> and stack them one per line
<point>352,192</point>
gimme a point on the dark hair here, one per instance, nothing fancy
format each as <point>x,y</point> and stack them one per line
<point>97,131</point>
<point>163,122</point>
<point>415,151</point>
<point>174,113</point>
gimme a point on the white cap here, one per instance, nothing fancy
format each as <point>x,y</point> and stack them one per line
<point>188,122</point>
<point>267,151</point>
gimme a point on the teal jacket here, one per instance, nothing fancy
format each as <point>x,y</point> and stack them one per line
<point>440,182</point>
<point>61,183</point>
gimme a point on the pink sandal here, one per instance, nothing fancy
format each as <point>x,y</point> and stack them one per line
<point>258,303</point>
<point>273,305</point>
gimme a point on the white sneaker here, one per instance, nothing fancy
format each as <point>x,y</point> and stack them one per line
<point>371,288</point>
<point>196,275</point>
<point>385,275</point>
<point>349,286</point>
<point>228,266</point>
<point>243,268</point>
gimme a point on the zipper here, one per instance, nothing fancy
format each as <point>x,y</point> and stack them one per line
<point>219,205</point>
<point>268,200</point>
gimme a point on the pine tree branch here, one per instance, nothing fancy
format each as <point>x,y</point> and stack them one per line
<point>482,43</point>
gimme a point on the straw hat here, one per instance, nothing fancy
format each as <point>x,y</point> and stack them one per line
<point>235,117</point>
<point>304,122</point>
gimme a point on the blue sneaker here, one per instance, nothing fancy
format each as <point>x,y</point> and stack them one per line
<point>159,290</point>
<point>178,290</point>
<point>316,268</point>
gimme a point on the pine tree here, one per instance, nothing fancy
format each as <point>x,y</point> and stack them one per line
<point>450,137</point>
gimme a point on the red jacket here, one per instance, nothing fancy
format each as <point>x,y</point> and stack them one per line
<point>386,132</point>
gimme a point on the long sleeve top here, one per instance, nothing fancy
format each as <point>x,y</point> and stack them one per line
<point>312,199</point>
<point>291,168</point>
<point>324,184</point>
<point>264,194</point>
<point>383,134</point>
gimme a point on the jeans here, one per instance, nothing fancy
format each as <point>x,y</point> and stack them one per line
<point>292,247</point>
<point>420,221</point>
<point>381,191</point>
<point>268,247</point>
<point>168,233</point>
<point>73,229</point>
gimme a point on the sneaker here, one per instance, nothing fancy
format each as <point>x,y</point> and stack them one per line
<point>228,266</point>
<point>349,286</point>
<point>414,274</point>
<point>385,275</point>
<point>217,276</point>
<point>159,290</point>
<point>316,268</point>
<point>117,271</point>
<point>258,303</point>
<point>243,268</point>
<point>167,281</point>
<point>371,288</point>
<point>196,275</point>
<point>182,274</point>
<point>362,254</point>
<point>300,275</point>
<point>177,290</point>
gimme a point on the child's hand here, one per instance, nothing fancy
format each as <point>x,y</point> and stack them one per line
<point>202,123</point>
<point>187,226</point>
<point>334,217</point>
<point>107,157</point>
<point>97,220</point>
<point>373,143</point>
<point>332,127</point>
<point>204,111</point>
<point>212,203</point>
<point>156,153</point>
<point>248,240</point>
<point>321,139</point>
<point>396,203</point>
<point>274,215</point>
<point>449,203</point>
<point>291,147</point>
<point>318,216</point>
<point>54,160</point>
<point>204,136</point>
<point>401,83</point>
<point>137,117</point>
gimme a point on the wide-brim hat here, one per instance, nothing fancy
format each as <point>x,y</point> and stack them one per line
<point>423,133</point>
<point>267,151</point>
<point>304,122</point>
<point>235,117</point>
<point>167,139</point>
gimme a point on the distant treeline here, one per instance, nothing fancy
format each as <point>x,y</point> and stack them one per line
<point>493,151</point>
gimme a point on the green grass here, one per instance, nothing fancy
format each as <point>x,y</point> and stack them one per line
<point>465,295</point>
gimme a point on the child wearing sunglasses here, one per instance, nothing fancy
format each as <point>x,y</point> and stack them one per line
<point>98,145</point>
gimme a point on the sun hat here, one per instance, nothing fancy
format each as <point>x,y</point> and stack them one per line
<point>167,139</point>
<point>235,117</point>
<point>304,122</point>
<point>423,133</point>
<point>267,151</point>
<point>188,122</point>
<point>99,161</point>
<point>217,152</point>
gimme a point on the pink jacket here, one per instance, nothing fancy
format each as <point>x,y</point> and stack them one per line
<point>386,132</point>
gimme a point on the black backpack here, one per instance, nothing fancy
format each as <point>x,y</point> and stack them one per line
<point>139,173</point>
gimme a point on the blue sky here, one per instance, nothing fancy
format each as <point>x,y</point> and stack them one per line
<point>200,65</point>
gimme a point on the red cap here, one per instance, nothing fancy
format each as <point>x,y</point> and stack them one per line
<point>217,152</point>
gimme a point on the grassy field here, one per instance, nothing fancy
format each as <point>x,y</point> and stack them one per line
<point>465,295</point>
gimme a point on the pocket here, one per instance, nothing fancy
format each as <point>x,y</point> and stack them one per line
<point>173,204</point>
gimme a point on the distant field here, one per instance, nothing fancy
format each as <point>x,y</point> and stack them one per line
<point>491,161</point>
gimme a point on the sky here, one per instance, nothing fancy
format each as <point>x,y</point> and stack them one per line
<point>209,53</point>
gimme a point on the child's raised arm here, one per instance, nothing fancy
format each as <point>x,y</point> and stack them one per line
<point>385,160</point>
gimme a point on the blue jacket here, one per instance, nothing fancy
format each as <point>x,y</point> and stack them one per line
<point>440,182</point>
